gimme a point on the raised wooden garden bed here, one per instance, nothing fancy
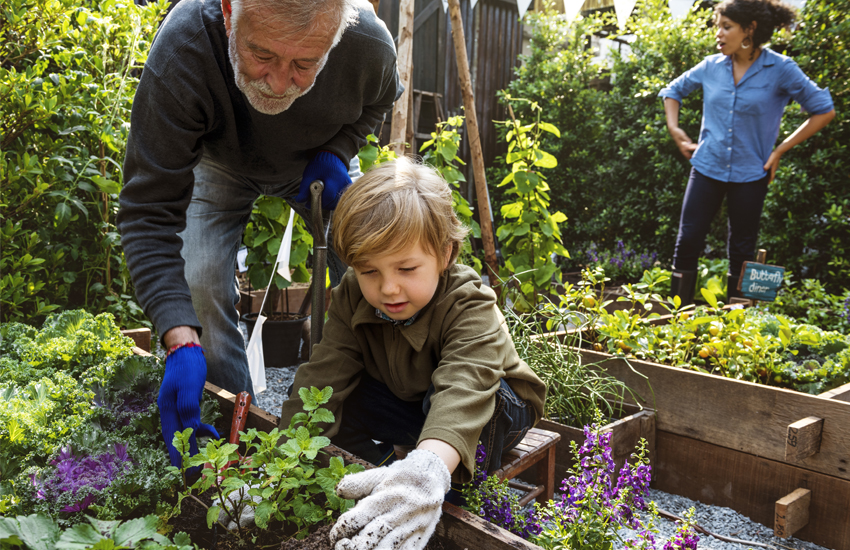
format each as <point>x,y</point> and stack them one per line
<point>457,530</point>
<point>746,446</point>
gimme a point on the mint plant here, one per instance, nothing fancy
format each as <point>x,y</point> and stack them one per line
<point>531,235</point>
<point>278,481</point>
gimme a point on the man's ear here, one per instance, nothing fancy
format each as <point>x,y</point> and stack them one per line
<point>227,10</point>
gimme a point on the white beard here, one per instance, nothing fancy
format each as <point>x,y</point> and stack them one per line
<point>254,90</point>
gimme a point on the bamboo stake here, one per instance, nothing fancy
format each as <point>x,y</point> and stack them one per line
<point>474,142</point>
<point>405,74</point>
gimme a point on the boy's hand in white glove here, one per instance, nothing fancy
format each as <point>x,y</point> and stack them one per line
<point>400,507</point>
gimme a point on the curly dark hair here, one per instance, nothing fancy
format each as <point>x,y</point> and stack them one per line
<point>769,15</point>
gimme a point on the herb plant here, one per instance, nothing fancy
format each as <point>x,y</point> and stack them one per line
<point>575,390</point>
<point>280,481</point>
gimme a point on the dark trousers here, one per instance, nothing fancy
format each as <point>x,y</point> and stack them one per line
<point>373,413</point>
<point>703,198</point>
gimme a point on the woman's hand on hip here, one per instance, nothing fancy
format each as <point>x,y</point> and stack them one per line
<point>773,163</point>
<point>683,142</point>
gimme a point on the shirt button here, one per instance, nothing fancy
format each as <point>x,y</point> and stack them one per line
<point>730,112</point>
<point>730,129</point>
<point>733,93</point>
<point>728,148</point>
<point>727,166</point>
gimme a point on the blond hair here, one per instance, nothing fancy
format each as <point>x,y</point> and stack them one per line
<point>392,207</point>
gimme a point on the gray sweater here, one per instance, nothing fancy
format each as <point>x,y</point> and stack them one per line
<point>188,106</point>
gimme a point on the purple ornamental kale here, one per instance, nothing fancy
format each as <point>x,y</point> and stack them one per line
<point>73,474</point>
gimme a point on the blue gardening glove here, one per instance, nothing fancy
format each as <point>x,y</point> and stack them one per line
<point>332,171</point>
<point>180,398</point>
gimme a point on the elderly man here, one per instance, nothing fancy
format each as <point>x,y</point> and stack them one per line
<point>237,99</point>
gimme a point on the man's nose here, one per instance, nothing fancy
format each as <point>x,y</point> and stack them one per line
<point>279,79</point>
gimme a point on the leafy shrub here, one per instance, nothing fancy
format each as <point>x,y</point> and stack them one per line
<point>809,302</point>
<point>806,225</point>
<point>621,264</point>
<point>67,80</point>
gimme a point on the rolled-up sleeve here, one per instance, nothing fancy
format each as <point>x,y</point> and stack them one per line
<point>803,90</point>
<point>686,83</point>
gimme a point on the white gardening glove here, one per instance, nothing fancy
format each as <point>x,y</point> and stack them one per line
<point>400,507</point>
<point>246,519</point>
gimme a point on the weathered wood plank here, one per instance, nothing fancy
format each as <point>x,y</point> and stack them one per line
<point>751,485</point>
<point>744,416</point>
<point>792,513</point>
<point>626,433</point>
<point>140,336</point>
<point>841,393</point>
<point>460,530</point>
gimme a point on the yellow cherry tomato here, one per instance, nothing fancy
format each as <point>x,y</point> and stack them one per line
<point>589,301</point>
<point>714,331</point>
<point>704,353</point>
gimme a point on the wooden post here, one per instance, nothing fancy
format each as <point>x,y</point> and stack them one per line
<point>405,74</point>
<point>474,141</point>
<point>792,513</point>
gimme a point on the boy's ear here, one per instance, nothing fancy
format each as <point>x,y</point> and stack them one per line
<point>447,257</point>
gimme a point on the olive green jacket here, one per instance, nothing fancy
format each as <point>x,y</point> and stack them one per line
<point>459,342</point>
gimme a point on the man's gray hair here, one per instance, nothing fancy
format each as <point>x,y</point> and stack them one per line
<point>294,16</point>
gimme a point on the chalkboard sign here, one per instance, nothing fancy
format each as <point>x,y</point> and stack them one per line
<point>760,281</point>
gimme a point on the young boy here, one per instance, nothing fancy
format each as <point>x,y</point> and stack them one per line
<point>417,353</point>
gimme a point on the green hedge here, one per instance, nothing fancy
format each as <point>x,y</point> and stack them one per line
<point>68,71</point>
<point>621,178</point>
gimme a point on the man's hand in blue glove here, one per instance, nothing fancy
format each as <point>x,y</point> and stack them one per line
<point>332,171</point>
<point>180,398</point>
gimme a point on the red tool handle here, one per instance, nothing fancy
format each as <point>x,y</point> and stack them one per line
<point>240,417</point>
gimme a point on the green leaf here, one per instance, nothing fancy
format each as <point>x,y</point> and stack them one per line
<point>709,297</point>
<point>545,160</point>
<point>212,515</point>
<point>132,531</point>
<point>551,128</point>
<point>106,185</point>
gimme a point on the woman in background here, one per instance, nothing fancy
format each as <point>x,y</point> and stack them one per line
<point>745,90</point>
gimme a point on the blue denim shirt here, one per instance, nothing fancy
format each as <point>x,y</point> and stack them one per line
<point>740,123</point>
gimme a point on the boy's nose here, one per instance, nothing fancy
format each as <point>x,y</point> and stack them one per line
<point>389,286</point>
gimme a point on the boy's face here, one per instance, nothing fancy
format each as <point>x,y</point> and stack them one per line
<point>402,283</point>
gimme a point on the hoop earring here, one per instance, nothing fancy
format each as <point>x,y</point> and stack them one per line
<point>746,46</point>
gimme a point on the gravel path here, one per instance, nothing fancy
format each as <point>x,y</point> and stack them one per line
<point>722,521</point>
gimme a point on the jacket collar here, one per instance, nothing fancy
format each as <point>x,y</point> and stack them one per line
<point>417,332</point>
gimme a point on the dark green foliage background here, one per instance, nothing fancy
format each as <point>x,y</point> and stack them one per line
<point>620,177</point>
<point>68,73</point>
